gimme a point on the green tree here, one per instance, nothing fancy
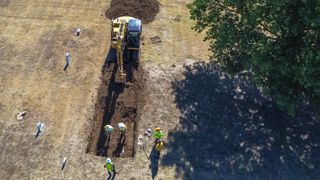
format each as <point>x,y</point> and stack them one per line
<point>276,42</point>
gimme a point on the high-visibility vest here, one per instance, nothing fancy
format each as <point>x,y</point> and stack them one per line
<point>159,146</point>
<point>109,166</point>
<point>157,134</point>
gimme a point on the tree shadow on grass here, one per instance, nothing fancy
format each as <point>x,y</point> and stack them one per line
<point>228,130</point>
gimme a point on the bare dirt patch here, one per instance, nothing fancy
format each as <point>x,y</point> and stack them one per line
<point>146,10</point>
<point>116,103</point>
<point>4,3</point>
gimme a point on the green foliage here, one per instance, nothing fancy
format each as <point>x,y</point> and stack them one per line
<point>277,42</point>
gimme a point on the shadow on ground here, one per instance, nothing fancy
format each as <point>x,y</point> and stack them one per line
<point>154,162</point>
<point>114,90</point>
<point>117,102</point>
<point>229,130</point>
<point>120,143</point>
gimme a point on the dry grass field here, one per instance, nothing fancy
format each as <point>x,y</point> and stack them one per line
<point>34,37</point>
<point>216,127</point>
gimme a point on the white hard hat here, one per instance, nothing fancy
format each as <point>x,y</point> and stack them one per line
<point>121,125</point>
<point>108,160</point>
<point>109,126</point>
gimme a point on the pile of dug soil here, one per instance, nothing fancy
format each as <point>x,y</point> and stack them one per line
<point>146,10</point>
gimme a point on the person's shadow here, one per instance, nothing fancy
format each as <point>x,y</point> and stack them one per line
<point>120,144</point>
<point>154,162</point>
<point>37,134</point>
<point>66,67</point>
<point>106,145</point>
<point>114,90</point>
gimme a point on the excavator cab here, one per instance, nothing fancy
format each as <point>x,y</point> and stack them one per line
<point>134,34</point>
<point>133,38</point>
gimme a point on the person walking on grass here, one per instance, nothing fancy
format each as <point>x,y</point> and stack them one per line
<point>78,32</point>
<point>68,60</point>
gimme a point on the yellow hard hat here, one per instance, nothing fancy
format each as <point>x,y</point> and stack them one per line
<point>157,129</point>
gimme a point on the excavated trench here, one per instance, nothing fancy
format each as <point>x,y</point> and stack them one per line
<point>117,103</point>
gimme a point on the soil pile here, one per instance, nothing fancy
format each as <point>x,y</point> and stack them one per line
<point>146,10</point>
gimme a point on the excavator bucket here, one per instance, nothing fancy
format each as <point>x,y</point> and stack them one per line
<point>120,77</point>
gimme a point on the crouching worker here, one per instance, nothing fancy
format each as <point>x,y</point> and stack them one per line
<point>108,130</point>
<point>160,146</point>
<point>122,129</point>
<point>157,134</point>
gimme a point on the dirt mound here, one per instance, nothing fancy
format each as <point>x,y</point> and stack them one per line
<point>146,10</point>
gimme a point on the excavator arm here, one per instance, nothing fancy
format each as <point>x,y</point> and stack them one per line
<point>120,76</point>
<point>125,36</point>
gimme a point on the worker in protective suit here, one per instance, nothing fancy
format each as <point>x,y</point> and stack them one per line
<point>159,146</point>
<point>68,61</point>
<point>108,130</point>
<point>157,134</point>
<point>110,168</point>
<point>123,129</point>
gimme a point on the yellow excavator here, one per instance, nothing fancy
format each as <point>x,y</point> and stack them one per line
<point>125,39</point>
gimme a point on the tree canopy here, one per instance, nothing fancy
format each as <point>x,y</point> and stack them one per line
<point>276,42</point>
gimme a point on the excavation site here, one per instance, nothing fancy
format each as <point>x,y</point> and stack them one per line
<point>159,89</point>
<point>116,103</point>
<point>120,102</point>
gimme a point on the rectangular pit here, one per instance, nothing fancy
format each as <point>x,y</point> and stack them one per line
<point>116,103</point>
